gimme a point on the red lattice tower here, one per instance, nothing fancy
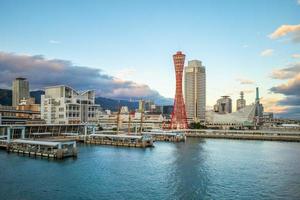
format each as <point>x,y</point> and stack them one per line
<point>178,120</point>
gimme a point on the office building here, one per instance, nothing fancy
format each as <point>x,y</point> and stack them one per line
<point>224,105</point>
<point>195,90</point>
<point>20,90</point>
<point>63,105</point>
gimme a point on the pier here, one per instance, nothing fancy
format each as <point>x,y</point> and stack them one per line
<point>141,141</point>
<point>47,149</point>
<point>168,136</point>
<point>22,140</point>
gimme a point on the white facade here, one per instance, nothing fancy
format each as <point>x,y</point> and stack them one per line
<point>244,116</point>
<point>195,90</point>
<point>63,105</point>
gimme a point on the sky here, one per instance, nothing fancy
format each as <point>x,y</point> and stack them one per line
<point>124,49</point>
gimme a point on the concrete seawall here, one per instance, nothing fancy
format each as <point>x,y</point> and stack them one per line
<point>246,135</point>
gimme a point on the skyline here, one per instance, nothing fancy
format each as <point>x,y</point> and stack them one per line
<point>132,44</point>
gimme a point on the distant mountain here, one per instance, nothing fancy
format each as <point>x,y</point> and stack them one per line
<point>106,103</point>
<point>37,95</point>
<point>5,97</point>
<point>113,104</point>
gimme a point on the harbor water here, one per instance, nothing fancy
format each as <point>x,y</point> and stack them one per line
<point>195,169</point>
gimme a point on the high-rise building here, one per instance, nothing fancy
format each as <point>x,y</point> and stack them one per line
<point>178,119</point>
<point>259,108</point>
<point>64,105</point>
<point>20,90</point>
<point>195,90</point>
<point>224,105</point>
<point>241,103</point>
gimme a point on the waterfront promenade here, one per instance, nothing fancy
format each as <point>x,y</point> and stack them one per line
<point>291,136</point>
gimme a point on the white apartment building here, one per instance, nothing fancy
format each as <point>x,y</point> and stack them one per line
<point>195,90</point>
<point>64,105</point>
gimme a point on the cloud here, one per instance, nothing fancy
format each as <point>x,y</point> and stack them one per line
<point>293,30</point>
<point>286,73</point>
<point>125,73</point>
<point>291,113</point>
<point>271,105</point>
<point>296,55</point>
<point>248,91</point>
<point>245,81</point>
<point>267,52</point>
<point>292,87</point>
<point>290,90</point>
<point>43,72</point>
<point>298,2</point>
<point>54,42</point>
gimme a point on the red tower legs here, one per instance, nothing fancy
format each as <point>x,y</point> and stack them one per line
<point>179,120</point>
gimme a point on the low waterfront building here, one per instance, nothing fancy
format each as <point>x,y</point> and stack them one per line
<point>242,118</point>
<point>132,120</point>
<point>63,105</point>
<point>22,114</point>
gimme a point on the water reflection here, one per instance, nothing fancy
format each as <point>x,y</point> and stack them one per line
<point>190,176</point>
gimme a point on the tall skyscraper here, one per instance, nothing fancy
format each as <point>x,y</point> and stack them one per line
<point>241,103</point>
<point>178,120</point>
<point>20,90</point>
<point>195,90</point>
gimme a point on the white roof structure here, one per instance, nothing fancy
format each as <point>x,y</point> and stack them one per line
<point>243,116</point>
<point>43,143</point>
<point>118,136</point>
<point>36,142</point>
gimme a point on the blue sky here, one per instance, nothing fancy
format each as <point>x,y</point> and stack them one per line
<point>134,40</point>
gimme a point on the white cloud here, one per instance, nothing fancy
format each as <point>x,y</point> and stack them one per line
<point>286,30</point>
<point>244,81</point>
<point>125,73</point>
<point>54,42</point>
<point>267,52</point>
<point>42,72</point>
<point>288,72</point>
<point>296,55</point>
<point>299,2</point>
